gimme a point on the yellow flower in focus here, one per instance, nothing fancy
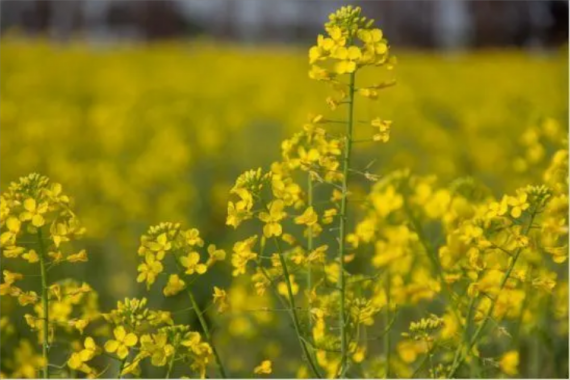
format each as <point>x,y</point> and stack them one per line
<point>121,343</point>
<point>34,212</point>
<point>158,348</point>
<point>192,263</point>
<point>264,368</point>
<point>160,246</point>
<point>9,237</point>
<point>271,219</point>
<point>345,67</point>
<point>519,203</point>
<point>149,270</point>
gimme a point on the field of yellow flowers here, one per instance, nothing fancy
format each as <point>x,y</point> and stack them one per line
<point>210,210</point>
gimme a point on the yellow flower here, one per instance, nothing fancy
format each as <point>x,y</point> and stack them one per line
<point>315,54</point>
<point>192,263</point>
<point>78,360</point>
<point>81,256</point>
<point>174,286</point>
<point>9,237</point>
<point>158,347</point>
<point>11,277</point>
<point>160,246</point>
<point>318,73</point>
<point>221,298</point>
<point>243,254</point>
<point>283,289</point>
<point>215,254</point>
<point>80,324</point>
<point>345,67</point>
<point>149,270</point>
<point>383,126</point>
<point>27,298</point>
<point>271,219</point>
<point>193,237</point>
<point>34,212</point>
<point>509,363</point>
<point>121,343</point>
<point>497,208</point>
<point>518,203</point>
<point>309,217</point>
<point>264,368</point>
<point>31,256</point>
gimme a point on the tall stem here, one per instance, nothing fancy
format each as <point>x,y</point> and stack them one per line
<point>45,304</point>
<point>343,222</point>
<point>293,311</point>
<point>476,336</point>
<point>204,325</point>
<point>309,246</point>
<point>171,363</point>
<point>122,367</point>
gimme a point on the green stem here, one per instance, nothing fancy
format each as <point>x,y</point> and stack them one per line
<point>204,325</point>
<point>171,363</point>
<point>45,304</point>
<point>309,247</point>
<point>122,367</point>
<point>343,222</point>
<point>206,333</point>
<point>477,335</point>
<point>387,323</point>
<point>293,311</point>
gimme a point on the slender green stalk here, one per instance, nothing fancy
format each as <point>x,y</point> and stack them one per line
<point>387,323</point>
<point>293,309</point>
<point>309,246</point>
<point>45,304</point>
<point>477,335</point>
<point>198,311</point>
<point>466,331</point>
<point>343,222</point>
<point>122,367</point>
<point>171,363</point>
<point>203,324</point>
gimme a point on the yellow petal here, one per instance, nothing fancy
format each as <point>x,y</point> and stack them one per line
<point>122,352</point>
<point>30,204</point>
<point>120,333</point>
<point>111,346</point>
<point>131,339</point>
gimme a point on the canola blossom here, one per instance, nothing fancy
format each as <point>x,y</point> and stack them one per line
<point>317,262</point>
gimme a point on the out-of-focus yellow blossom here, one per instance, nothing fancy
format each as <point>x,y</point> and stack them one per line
<point>264,368</point>
<point>221,299</point>
<point>174,286</point>
<point>509,363</point>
